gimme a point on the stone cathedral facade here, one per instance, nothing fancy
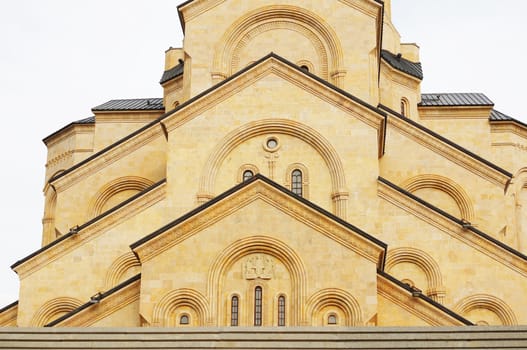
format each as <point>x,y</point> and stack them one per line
<point>291,174</point>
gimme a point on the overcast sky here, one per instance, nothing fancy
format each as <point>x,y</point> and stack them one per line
<point>60,58</point>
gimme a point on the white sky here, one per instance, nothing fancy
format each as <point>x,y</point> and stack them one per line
<point>60,58</point>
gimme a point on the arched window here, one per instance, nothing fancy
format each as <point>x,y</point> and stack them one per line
<point>247,174</point>
<point>296,182</point>
<point>184,320</point>
<point>234,310</point>
<point>281,311</point>
<point>304,68</point>
<point>258,306</point>
<point>332,319</point>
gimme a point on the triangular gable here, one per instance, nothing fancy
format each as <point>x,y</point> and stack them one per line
<point>270,64</point>
<point>273,64</point>
<point>261,187</point>
<point>101,305</point>
<point>416,303</point>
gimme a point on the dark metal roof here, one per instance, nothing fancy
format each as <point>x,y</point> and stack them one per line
<point>137,104</point>
<point>89,120</point>
<point>400,63</point>
<point>496,116</point>
<point>455,99</point>
<point>173,72</point>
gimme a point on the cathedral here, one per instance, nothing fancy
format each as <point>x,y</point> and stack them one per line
<point>291,175</point>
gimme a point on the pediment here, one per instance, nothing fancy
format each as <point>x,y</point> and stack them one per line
<point>192,9</point>
<point>286,76</point>
<point>245,204</point>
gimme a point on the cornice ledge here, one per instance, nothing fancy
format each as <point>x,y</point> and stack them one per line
<point>456,156</point>
<point>106,307</point>
<point>368,7</point>
<point>107,158</point>
<point>91,232</point>
<point>451,228</point>
<point>69,131</point>
<point>454,112</point>
<point>414,305</point>
<point>508,127</point>
<point>201,220</point>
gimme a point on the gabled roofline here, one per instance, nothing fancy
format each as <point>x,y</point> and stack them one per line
<point>212,89</point>
<point>101,296</point>
<point>425,298</point>
<point>454,219</point>
<point>260,177</point>
<point>87,224</point>
<point>7,307</point>
<point>447,141</point>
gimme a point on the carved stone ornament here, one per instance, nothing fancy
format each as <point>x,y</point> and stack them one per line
<point>258,266</point>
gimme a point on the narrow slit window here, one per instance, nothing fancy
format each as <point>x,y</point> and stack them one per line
<point>258,306</point>
<point>296,182</point>
<point>247,174</point>
<point>281,311</point>
<point>234,311</point>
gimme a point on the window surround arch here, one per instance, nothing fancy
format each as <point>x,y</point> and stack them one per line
<point>405,107</point>
<point>305,178</point>
<point>246,167</point>
<point>305,63</point>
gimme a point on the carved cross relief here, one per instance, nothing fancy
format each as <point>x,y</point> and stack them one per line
<point>258,266</point>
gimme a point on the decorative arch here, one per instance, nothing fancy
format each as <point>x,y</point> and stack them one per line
<point>49,233</point>
<point>184,297</point>
<point>258,244</point>
<point>322,36</point>
<point>53,309</point>
<point>119,268</point>
<point>488,302</point>
<point>338,298</point>
<point>277,126</point>
<point>446,185</point>
<point>125,183</point>
<point>435,288</point>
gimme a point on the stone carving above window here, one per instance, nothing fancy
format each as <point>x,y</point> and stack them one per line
<point>258,266</point>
